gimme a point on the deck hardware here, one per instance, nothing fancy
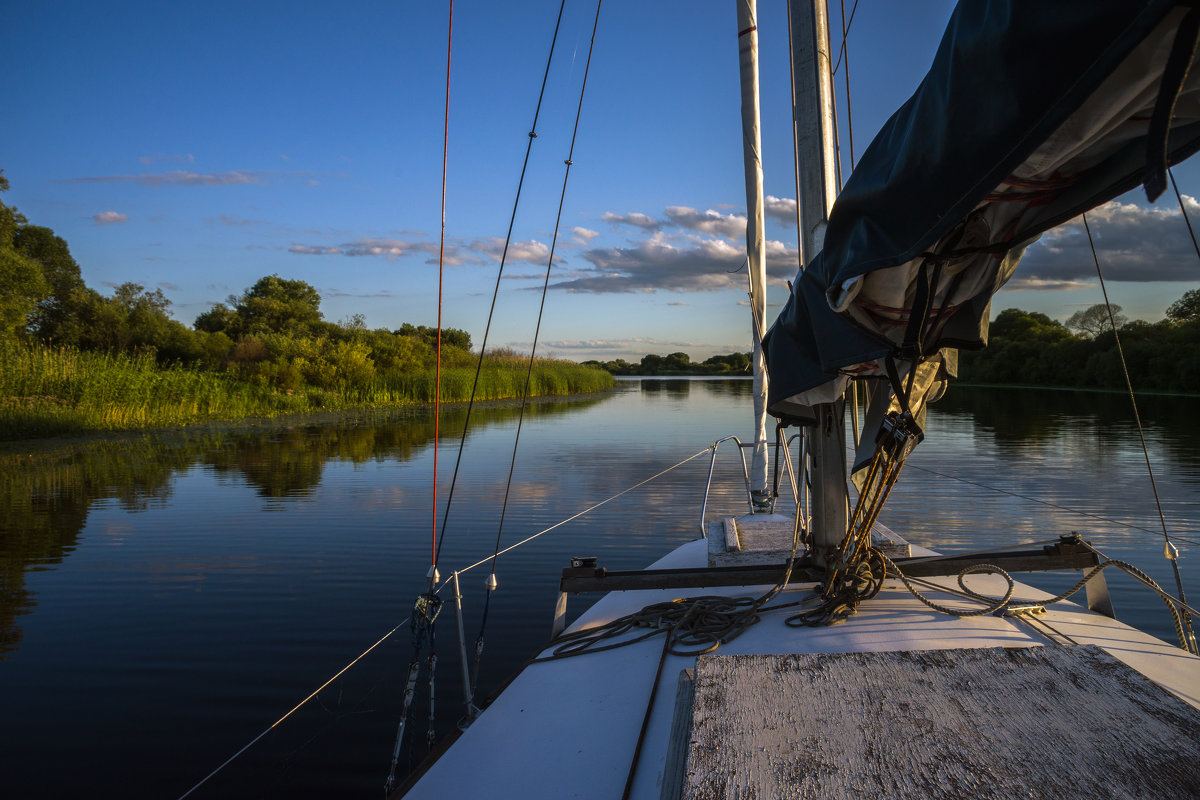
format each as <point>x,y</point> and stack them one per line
<point>898,435</point>
<point>1010,610</point>
<point>583,562</point>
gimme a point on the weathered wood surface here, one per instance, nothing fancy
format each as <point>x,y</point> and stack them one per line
<point>1044,722</point>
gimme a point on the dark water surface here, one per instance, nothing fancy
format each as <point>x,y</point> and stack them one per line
<point>162,601</point>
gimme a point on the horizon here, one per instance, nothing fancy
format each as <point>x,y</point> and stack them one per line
<point>197,152</point>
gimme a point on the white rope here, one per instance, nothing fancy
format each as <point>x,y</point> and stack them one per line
<point>276,723</point>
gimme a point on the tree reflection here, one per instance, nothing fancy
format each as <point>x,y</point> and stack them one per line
<point>45,501</point>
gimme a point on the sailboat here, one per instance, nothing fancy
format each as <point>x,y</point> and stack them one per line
<point>815,653</point>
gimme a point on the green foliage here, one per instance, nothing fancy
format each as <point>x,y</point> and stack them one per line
<point>1186,308</point>
<point>451,337</point>
<point>22,284</point>
<point>277,305</point>
<point>48,390</point>
<point>22,287</point>
<point>1013,324</point>
<point>60,272</point>
<point>1031,349</point>
<point>678,364</point>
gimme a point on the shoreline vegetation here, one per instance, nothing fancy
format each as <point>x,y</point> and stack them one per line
<point>74,361</point>
<point>50,391</point>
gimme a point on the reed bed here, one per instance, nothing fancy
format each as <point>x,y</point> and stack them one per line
<point>48,391</point>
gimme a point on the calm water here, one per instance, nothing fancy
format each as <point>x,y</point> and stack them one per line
<point>163,601</point>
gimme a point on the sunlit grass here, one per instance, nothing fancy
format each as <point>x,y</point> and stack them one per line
<point>48,391</point>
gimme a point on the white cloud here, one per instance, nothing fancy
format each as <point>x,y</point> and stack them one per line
<point>110,218</point>
<point>1132,243</point>
<point>685,264</point>
<point>780,208</point>
<point>584,235</point>
<point>531,252</point>
<point>1040,285</point>
<point>636,220</point>
<point>731,226</point>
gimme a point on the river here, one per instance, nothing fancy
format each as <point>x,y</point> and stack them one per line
<point>164,599</point>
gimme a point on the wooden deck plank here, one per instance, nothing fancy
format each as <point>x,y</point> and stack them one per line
<point>1044,722</point>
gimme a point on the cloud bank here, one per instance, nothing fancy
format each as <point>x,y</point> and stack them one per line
<point>1133,244</point>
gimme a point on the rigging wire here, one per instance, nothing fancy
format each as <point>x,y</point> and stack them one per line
<point>496,291</point>
<point>316,692</point>
<point>1186,217</point>
<point>437,391</point>
<point>544,531</point>
<point>294,709</point>
<point>845,54</point>
<point>845,32</point>
<point>1169,549</point>
<point>491,581</point>
<point>546,286</point>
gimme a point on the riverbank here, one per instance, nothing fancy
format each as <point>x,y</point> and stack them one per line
<point>52,392</point>
<point>42,450</point>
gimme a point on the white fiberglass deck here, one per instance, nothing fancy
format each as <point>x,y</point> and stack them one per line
<point>568,728</point>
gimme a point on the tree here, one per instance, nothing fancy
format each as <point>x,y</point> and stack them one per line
<point>22,285</point>
<point>1016,325</point>
<point>60,272</point>
<point>1186,308</point>
<point>217,319</point>
<point>1093,321</point>
<point>278,305</point>
<point>677,362</point>
<point>452,337</point>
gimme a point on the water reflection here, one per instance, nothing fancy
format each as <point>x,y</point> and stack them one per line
<point>197,614</point>
<point>45,505</point>
<point>672,387</point>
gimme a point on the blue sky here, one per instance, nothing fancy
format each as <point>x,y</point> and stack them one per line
<point>198,147</point>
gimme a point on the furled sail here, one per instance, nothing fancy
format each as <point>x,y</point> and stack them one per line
<point>1031,114</point>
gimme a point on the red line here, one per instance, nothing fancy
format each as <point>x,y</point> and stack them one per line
<point>751,29</point>
<point>437,390</point>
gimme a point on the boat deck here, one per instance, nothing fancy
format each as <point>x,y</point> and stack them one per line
<point>568,728</point>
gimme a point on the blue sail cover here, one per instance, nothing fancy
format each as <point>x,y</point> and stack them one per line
<point>1032,113</point>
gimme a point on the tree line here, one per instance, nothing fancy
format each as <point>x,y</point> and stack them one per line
<point>1030,348</point>
<point>678,364</point>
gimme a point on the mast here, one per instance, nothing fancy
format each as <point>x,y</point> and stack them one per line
<point>812,82</point>
<point>756,252</point>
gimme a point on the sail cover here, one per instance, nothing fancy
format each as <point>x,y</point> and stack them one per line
<point>1032,113</point>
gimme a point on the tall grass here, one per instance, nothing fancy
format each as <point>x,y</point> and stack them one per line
<point>46,391</point>
<point>498,380</point>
